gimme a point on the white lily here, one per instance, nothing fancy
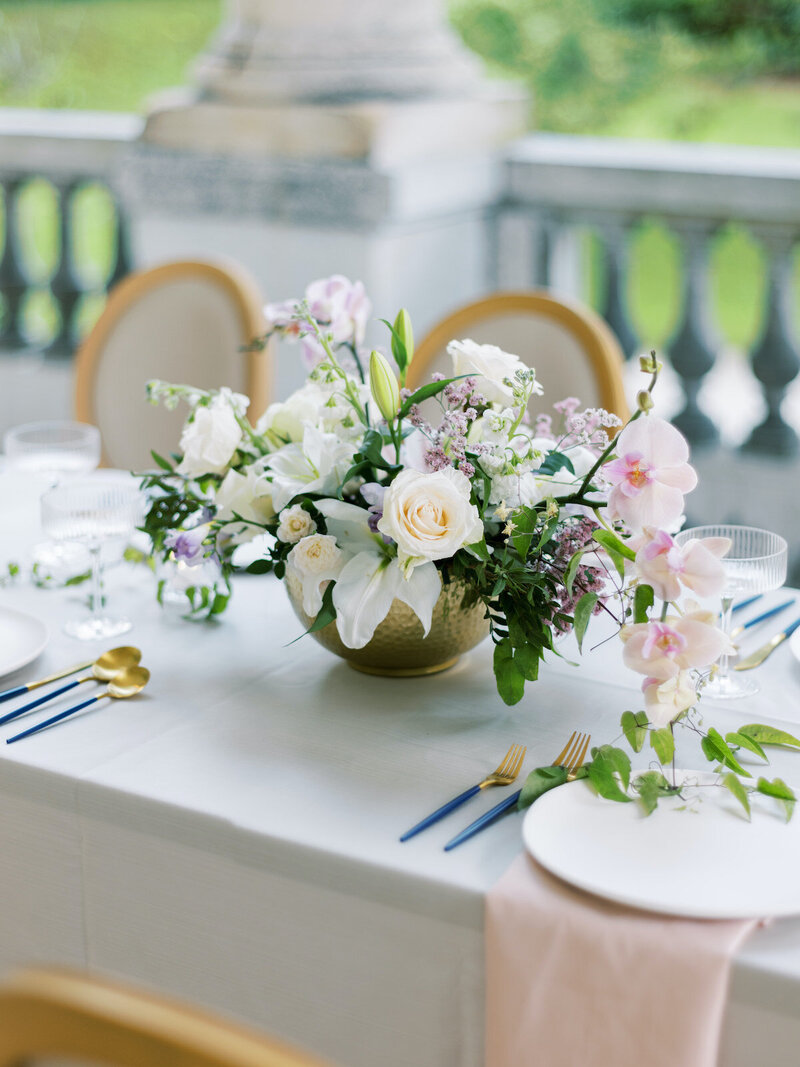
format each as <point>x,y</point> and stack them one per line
<point>370,580</point>
<point>318,465</point>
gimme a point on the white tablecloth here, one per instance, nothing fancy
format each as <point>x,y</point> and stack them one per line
<point>231,836</point>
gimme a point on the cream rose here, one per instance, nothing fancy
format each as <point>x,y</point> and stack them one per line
<point>295,523</point>
<point>491,365</point>
<point>314,560</point>
<point>429,515</point>
<point>210,438</point>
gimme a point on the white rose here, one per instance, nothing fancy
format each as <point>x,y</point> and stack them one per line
<point>488,363</point>
<point>295,523</point>
<point>210,438</point>
<point>314,560</point>
<point>247,495</point>
<point>429,515</point>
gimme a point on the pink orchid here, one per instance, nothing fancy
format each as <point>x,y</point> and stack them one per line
<point>650,474</point>
<point>662,650</point>
<point>664,701</point>
<point>667,566</point>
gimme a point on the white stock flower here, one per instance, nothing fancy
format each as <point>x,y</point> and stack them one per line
<point>491,365</point>
<point>318,465</point>
<point>318,403</point>
<point>314,560</point>
<point>429,515</point>
<point>247,495</point>
<point>517,489</point>
<point>295,523</point>
<point>211,435</point>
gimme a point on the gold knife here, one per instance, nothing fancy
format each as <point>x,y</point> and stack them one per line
<point>755,659</point>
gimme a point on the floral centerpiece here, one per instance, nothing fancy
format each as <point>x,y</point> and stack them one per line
<point>376,499</point>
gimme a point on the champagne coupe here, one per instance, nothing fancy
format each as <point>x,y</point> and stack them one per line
<point>92,513</point>
<point>755,563</point>
<point>55,449</point>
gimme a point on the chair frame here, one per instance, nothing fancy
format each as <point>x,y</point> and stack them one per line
<point>601,346</point>
<point>55,1012</point>
<point>228,276</point>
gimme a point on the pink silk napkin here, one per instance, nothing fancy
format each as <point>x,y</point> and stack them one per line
<point>573,979</point>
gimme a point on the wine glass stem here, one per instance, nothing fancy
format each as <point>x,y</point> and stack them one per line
<point>727,619</point>
<point>97,582</point>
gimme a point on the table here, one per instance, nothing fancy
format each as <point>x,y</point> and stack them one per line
<point>231,836</point>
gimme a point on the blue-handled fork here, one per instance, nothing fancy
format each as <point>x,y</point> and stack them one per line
<point>506,773</point>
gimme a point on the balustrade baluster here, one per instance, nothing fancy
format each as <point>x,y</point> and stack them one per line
<point>13,282</point>
<point>691,352</point>
<point>775,358</point>
<point>615,309</point>
<point>122,254</point>
<point>65,284</point>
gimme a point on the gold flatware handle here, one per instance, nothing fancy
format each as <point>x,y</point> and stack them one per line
<point>59,674</point>
<point>755,659</point>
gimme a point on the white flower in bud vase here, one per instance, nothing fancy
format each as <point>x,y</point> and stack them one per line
<point>315,560</point>
<point>493,368</point>
<point>430,516</point>
<point>248,496</point>
<point>211,436</point>
<point>665,700</point>
<point>295,523</point>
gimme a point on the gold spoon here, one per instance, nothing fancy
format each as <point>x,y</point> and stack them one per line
<point>103,669</point>
<point>126,684</point>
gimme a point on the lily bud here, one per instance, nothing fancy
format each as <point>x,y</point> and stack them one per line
<point>383,385</point>
<point>644,401</point>
<point>402,327</point>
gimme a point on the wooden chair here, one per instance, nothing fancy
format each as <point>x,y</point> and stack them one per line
<point>573,351</point>
<point>54,1013</point>
<point>182,322</point>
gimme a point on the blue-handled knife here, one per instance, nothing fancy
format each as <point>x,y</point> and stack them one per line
<point>755,659</point>
<point>746,603</point>
<point>737,631</point>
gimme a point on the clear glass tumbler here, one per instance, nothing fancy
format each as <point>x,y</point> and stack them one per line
<point>755,563</point>
<point>92,513</point>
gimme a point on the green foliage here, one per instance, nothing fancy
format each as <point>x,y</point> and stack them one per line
<point>643,600</point>
<point>634,726</point>
<point>538,782</point>
<point>610,772</point>
<point>583,613</point>
<point>769,735</point>
<point>717,750</point>
<point>778,789</point>
<point>650,787</point>
<point>663,744</point>
<point>731,782</point>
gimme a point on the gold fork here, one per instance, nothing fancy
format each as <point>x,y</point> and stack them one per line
<point>506,773</point>
<point>571,757</point>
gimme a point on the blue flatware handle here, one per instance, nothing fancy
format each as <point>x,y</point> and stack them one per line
<point>440,813</point>
<point>18,690</point>
<point>484,820</point>
<point>56,718</point>
<point>36,703</point>
<point>791,629</point>
<point>746,603</point>
<point>768,614</point>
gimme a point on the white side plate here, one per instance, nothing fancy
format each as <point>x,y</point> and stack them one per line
<point>705,862</point>
<point>22,638</point>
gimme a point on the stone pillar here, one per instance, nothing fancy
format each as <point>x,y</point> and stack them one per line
<point>324,136</point>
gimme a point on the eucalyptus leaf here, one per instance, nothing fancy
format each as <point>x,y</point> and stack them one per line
<point>539,781</point>
<point>642,602</point>
<point>663,744</point>
<point>582,614</point>
<point>730,781</point>
<point>634,726</point>
<point>768,735</point>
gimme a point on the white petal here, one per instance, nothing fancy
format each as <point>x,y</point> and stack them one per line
<point>420,591</point>
<point>363,596</point>
<point>349,524</point>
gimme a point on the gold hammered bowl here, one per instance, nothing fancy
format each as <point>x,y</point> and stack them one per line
<point>399,648</point>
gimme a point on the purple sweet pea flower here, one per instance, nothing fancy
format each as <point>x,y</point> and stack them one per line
<point>188,544</point>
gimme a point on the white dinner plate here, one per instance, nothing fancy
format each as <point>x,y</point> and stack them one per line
<point>704,862</point>
<point>794,644</point>
<point>22,638</point>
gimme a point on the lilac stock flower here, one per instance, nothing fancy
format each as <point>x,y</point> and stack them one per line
<point>187,545</point>
<point>342,306</point>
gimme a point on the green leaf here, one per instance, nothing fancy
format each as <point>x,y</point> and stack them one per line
<point>526,659</point>
<point>663,744</point>
<point>509,678</point>
<point>634,726</point>
<point>525,521</point>
<point>327,613</point>
<point>651,786</point>
<point>427,391</point>
<point>602,777</point>
<point>768,735</point>
<point>538,782</point>
<point>617,758</point>
<point>716,749</point>
<point>731,782</point>
<point>642,602</point>
<point>164,464</point>
<point>556,461</point>
<point>743,741</point>
<point>612,543</point>
<point>778,789</point>
<point>479,550</point>
<point>572,570</point>
<point>259,566</point>
<point>582,614</point>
